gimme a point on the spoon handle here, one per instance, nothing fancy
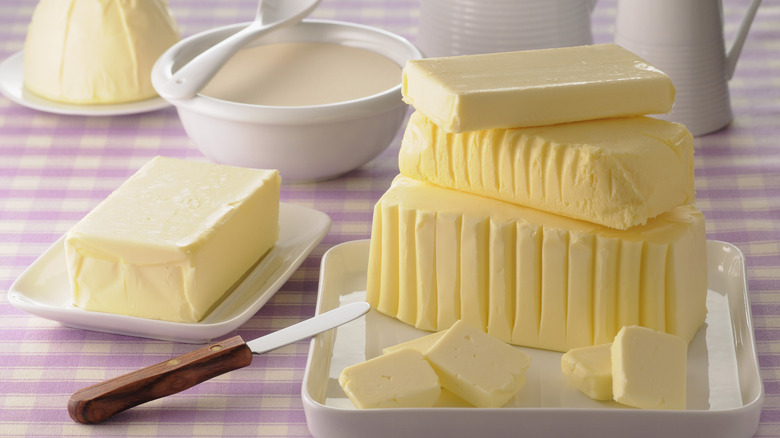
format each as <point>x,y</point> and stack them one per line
<point>188,80</point>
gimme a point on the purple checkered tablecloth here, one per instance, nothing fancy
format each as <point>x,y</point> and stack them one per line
<point>55,168</point>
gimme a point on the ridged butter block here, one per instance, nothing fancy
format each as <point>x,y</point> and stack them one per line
<point>173,239</point>
<point>614,172</point>
<point>529,277</point>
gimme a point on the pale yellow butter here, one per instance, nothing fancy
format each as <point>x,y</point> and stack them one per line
<point>478,367</point>
<point>589,369</point>
<point>649,369</point>
<point>535,87</point>
<point>96,51</point>
<point>173,239</point>
<point>400,379</point>
<point>421,344</point>
<point>615,172</point>
<point>530,277</point>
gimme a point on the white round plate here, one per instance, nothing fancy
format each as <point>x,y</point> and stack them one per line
<point>12,87</point>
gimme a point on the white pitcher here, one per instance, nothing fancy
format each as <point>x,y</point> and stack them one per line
<point>466,27</point>
<point>684,38</point>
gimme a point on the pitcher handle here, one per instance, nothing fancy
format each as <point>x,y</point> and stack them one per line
<point>736,47</point>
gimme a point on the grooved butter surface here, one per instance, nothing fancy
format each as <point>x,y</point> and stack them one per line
<point>614,172</point>
<point>529,277</point>
<point>173,239</point>
<point>96,51</point>
<point>535,87</point>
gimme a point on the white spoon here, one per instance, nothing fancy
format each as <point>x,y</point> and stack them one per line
<point>271,14</point>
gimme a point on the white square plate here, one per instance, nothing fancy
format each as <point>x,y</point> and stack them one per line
<point>724,392</point>
<point>43,289</point>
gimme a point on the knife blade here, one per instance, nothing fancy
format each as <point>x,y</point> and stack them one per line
<point>98,402</point>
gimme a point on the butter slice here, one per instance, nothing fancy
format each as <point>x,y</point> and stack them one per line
<point>421,344</point>
<point>649,369</point>
<point>614,172</point>
<point>401,379</point>
<point>173,239</point>
<point>96,51</point>
<point>530,277</point>
<point>535,87</point>
<point>478,367</point>
<point>589,369</point>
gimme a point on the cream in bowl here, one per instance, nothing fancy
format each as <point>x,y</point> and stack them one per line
<point>313,100</point>
<point>301,74</point>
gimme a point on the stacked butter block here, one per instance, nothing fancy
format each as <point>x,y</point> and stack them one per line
<point>538,202</point>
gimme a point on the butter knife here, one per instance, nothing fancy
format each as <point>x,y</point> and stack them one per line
<point>98,402</point>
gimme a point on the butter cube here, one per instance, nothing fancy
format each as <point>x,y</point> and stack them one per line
<point>649,369</point>
<point>535,87</point>
<point>589,369</point>
<point>477,367</point>
<point>173,239</point>
<point>614,172</point>
<point>421,344</point>
<point>400,379</point>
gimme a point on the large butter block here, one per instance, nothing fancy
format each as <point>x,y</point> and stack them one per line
<point>649,369</point>
<point>614,172</point>
<point>589,369</point>
<point>400,379</point>
<point>530,277</point>
<point>478,367</point>
<point>535,87</point>
<point>96,51</point>
<point>173,239</point>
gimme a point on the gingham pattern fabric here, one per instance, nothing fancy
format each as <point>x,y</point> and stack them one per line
<point>55,168</point>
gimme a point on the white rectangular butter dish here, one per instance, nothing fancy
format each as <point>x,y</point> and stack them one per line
<point>725,391</point>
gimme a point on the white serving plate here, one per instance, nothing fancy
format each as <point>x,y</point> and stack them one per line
<point>725,392</point>
<point>12,87</point>
<point>43,289</point>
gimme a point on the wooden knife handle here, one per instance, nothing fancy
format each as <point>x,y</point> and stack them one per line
<point>100,401</point>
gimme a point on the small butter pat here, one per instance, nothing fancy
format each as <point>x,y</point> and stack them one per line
<point>173,239</point>
<point>649,369</point>
<point>535,87</point>
<point>589,369</point>
<point>421,344</point>
<point>401,379</point>
<point>477,367</point>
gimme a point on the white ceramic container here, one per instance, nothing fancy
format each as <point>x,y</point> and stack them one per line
<point>305,143</point>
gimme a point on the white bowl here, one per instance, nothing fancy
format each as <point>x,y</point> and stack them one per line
<point>305,143</point>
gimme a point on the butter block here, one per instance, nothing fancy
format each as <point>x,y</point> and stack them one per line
<point>478,367</point>
<point>614,172</point>
<point>530,277</point>
<point>173,239</point>
<point>401,379</point>
<point>535,87</point>
<point>96,51</point>
<point>421,344</point>
<point>589,369</point>
<point>649,369</point>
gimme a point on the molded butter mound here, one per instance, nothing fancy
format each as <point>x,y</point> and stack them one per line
<point>535,87</point>
<point>530,277</point>
<point>173,239</point>
<point>614,172</point>
<point>96,51</point>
